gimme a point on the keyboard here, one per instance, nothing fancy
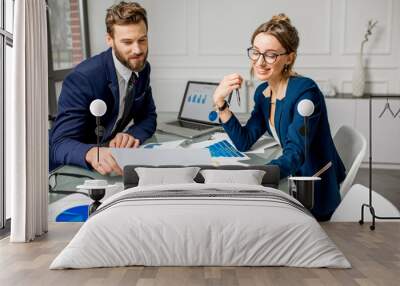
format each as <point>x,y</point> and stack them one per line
<point>190,125</point>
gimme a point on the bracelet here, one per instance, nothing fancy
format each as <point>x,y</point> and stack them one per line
<point>223,107</point>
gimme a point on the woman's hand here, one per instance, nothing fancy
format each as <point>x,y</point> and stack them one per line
<point>226,86</point>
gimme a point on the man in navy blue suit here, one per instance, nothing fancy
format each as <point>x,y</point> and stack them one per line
<point>120,77</point>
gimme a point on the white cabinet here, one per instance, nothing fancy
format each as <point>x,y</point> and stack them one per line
<point>386,130</point>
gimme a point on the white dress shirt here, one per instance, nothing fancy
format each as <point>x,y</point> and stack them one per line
<point>281,94</point>
<point>274,134</point>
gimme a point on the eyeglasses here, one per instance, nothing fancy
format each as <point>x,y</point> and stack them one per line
<point>268,57</point>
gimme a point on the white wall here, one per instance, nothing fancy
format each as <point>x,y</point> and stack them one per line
<point>97,27</point>
<point>206,39</point>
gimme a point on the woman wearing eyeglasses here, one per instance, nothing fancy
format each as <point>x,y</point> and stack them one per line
<point>273,53</point>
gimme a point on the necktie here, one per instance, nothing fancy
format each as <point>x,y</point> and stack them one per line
<point>129,99</point>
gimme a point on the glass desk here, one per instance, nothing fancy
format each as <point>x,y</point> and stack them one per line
<point>65,178</point>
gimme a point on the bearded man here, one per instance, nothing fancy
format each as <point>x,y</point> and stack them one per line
<point>120,76</point>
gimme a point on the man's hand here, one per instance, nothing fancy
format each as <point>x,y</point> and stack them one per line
<point>124,140</point>
<point>106,164</point>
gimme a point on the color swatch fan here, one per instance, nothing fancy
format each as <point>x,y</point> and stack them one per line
<point>224,149</point>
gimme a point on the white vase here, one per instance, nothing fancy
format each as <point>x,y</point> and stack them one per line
<point>358,77</point>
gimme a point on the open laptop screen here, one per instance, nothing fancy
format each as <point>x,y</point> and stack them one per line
<point>197,104</point>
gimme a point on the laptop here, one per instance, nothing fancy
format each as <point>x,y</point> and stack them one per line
<point>197,116</point>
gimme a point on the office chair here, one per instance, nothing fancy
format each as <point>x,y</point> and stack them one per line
<point>351,146</point>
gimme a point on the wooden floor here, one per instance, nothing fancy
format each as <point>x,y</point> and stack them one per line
<point>374,255</point>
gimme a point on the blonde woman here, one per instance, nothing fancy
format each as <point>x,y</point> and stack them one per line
<point>273,53</point>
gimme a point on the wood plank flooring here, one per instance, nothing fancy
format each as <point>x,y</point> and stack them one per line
<point>374,255</point>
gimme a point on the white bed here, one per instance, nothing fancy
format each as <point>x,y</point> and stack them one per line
<point>266,228</point>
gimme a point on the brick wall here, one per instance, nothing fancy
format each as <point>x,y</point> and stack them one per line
<point>77,47</point>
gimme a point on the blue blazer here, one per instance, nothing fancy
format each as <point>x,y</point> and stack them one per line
<point>73,132</point>
<point>288,123</point>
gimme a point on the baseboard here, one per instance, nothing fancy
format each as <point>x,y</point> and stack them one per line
<point>388,166</point>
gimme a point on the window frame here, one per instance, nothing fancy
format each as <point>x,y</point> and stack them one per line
<point>6,39</point>
<point>59,75</point>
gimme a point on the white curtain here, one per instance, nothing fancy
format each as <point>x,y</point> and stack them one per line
<point>26,123</point>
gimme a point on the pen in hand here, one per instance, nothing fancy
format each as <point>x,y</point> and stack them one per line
<point>229,97</point>
<point>237,97</point>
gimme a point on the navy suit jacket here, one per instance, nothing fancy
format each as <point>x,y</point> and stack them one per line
<point>73,132</point>
<point>288,123</point>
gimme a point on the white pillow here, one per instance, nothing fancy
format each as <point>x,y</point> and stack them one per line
<point>248,177</point>
<point>165,176</point>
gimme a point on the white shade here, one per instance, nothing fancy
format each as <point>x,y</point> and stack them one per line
<point>305,107</point>
<point>98,107</point>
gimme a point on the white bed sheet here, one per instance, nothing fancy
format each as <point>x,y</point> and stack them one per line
<point>206,231</point>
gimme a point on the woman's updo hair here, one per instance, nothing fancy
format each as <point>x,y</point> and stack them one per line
<point>282,29</point>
